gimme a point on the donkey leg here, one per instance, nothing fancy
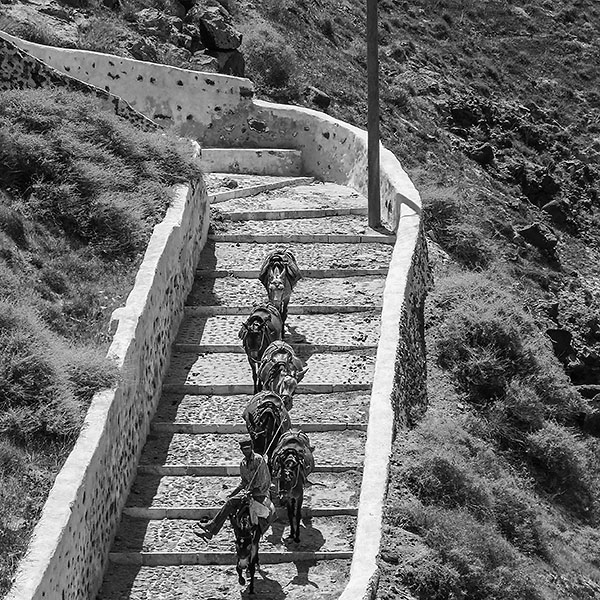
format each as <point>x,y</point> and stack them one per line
<point>241,579</point>
<point>298,516</point>
<point>290,512</point>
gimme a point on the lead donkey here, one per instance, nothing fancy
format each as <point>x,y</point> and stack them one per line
<point>279,274</point>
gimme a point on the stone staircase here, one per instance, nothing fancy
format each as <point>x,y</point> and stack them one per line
<point>191,457</point>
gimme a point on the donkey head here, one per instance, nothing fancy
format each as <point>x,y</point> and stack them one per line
<point>253,335</point>
<point>276,287</point>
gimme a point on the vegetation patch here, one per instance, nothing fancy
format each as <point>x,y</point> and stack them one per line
<point>80,192</point>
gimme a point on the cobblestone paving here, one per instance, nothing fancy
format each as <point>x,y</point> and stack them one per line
<point>331,447</point>
<point>343,225</point>
<point>310,256</point>
<point>362,291</point>
<point>333,329</point>
<point>322,580</point>
<point>327,490</point>
<point>349,407</point>
<point>324,195</point>
<point>323,339</point>
<point>319,534</point>
<point>234,369</point>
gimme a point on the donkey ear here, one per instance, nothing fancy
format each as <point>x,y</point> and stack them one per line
<point>301,374</point>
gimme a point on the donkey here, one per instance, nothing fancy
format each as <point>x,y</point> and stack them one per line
<point>261,328</point>
<point>292,463</point>
<point>281,371</point>
<point>247,538</point>
<point>279,274</point>
<point>266,419</point>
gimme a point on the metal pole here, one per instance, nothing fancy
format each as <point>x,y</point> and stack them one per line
<point>373,115</point>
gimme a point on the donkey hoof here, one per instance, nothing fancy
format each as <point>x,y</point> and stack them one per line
<point>241,580</point>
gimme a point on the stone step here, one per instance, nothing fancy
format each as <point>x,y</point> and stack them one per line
<point>300,349</point>
<point>333,225</point>
<point>346,368</point>
<point>307,273</point>
<point>318,196</point>
<point>199,470</point>
<point>311,580</point>
<point>350,407</point>
<point>208,512</point>
<point>302,238</point>
<point>260,161</point>
<point>325,490</point>
<point>299,213</point>
<point>228,256</point>
<point>318,534</point>
<point>224,186</point>
<point>169,559</point>
<point>164,427</point>
<point>235,389</point>
<point>312,333</point>
<point>293,309</point>
<point>217,450</point>
<point>363,290</point>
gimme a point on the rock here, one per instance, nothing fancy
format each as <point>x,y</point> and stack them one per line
<point>178,57</point>
<point>144,50</point>
<point>194,33</point>
<point>230,62</point>
<point>561,343</point>
<point>154,22</point>
<point>558,211</point>
<point>317,97</point>
<point>203,62</point>
<point>174,8</point>
<point>484,154</point>
<point>216,32</point>
<point>540,236</point>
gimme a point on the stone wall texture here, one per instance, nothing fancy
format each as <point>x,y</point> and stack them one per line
<point>219,111</point>
<point>69,548</point>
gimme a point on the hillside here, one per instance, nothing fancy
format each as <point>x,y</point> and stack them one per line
<point>493,109</point>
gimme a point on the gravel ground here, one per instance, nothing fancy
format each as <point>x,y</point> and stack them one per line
<point>349,407</point>
<point>352,328</point>
<point>323,580</point>
<point>331,448</point>
<point>224,182</point>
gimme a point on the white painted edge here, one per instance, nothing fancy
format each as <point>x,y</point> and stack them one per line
<point>56,512</point>
<point>380,430</point>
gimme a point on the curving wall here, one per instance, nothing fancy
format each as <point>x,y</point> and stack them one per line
<point>219,111</point>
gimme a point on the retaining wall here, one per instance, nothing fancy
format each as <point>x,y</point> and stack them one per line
<point>221,113</point>
<point>70,544</point>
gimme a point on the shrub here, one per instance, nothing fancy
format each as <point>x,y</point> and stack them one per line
<point>271,62</point>
<point>565,467</point>
<point>100,34</point>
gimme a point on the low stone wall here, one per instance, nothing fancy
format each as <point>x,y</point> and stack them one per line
<point>20,70</point>
<point>189,101</point>
<point>70,544</point>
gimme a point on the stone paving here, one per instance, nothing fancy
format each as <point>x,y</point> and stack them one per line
<point>191,457</point>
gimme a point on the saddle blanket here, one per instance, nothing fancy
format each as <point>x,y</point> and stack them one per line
<point>262,513</point>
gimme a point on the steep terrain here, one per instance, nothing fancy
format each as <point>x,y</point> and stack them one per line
<point>493,109</point>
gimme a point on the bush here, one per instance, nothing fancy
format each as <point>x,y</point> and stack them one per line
<point>565,466</point>
<point>44,385</point>
<point>270,61</point>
